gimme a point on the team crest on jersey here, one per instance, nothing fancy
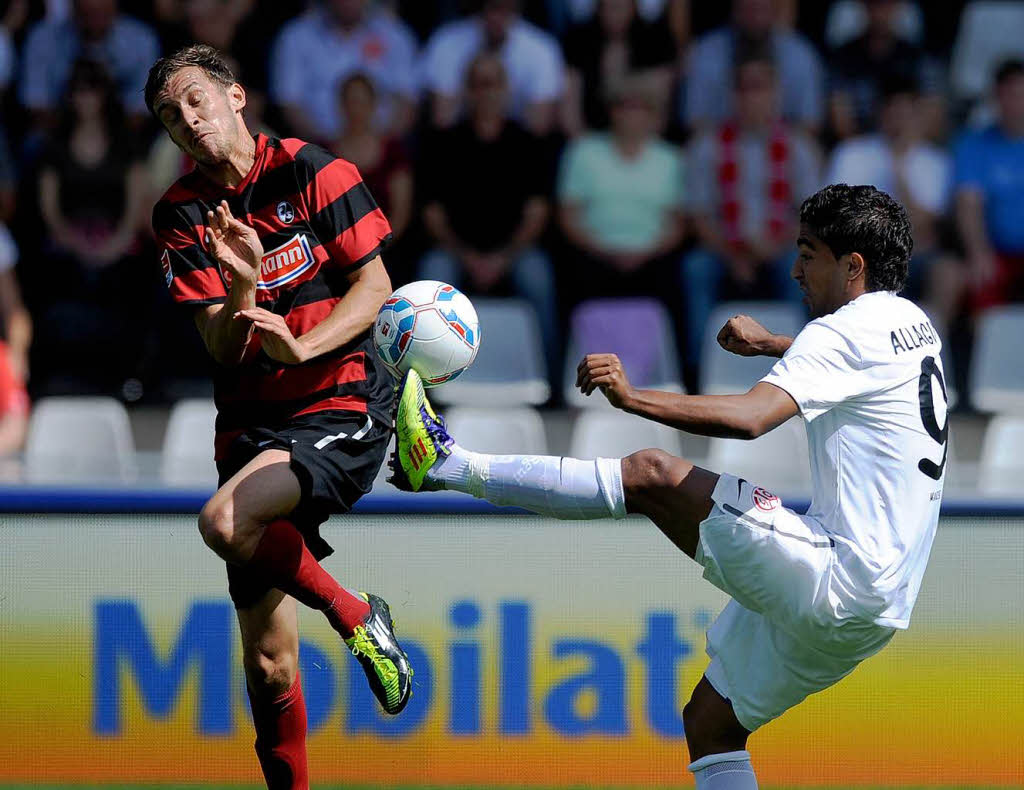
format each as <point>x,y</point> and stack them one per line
<point>765,500</point>
<point>165,264</point>
<point>286,212</point>
<point>283,264</point>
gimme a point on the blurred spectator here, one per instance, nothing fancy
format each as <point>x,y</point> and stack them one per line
<point>620,197</point>
<point>563,14</point>
<point>8,180</point>
<point>95,31</point>
<point>989,176</point>
<point>847,20</point>
<point>532,59</point>
<point>17,334</point>
<point>10,22</point>
<point>382,161</point>
<point>16,322</point>
<point>315,52</point>
<point>225,25</point>
<point>898,160</point>
<point>14,408</point>
<point>747,179</point>
<point>755,27</point>
<point>94,290</point>
<point>859,68</point>
<point>485,182</point>
<point>616,42</point>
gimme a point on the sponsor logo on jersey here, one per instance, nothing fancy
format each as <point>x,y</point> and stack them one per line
<point>765,500</point>
<point>165,264</point>
<point>285,212</point>
<point>283,264</point>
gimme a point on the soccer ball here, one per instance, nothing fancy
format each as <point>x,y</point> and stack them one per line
<point>428,326</point>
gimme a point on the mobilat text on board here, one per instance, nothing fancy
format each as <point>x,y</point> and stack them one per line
<point>594,700</point>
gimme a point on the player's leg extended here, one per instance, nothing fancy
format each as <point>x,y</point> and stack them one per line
<point>246,523</point>
<point>270,654</point>
<point>672,492</point>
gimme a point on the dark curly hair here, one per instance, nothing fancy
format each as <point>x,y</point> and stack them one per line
<point>199,55</point>
<point>865,220</point>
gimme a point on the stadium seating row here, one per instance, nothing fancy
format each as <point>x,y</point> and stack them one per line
<point>89,440</point>
<point>509,369</point>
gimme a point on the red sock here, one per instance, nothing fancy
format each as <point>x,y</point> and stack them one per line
<point>283,557</point>
<point>281,738</point>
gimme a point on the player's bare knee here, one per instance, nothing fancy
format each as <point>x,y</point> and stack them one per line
<point>216,525</point>
<point>648,470</point>
<point>270,673</point>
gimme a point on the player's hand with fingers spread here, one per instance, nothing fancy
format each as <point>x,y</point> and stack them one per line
<point>604,372</point>
<point>234,245</point>
<point>276,338</point>
<point>744,336</point>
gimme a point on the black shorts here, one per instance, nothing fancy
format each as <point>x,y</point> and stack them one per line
<point>335,455</point>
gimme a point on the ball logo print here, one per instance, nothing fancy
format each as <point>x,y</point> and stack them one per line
<point>428,326</point>
<point>286,212</point>
<point>765,500</point>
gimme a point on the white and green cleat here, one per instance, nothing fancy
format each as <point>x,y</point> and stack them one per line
<point>421,440</point>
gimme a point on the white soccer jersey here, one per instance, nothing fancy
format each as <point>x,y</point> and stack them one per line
<point>869,384</point>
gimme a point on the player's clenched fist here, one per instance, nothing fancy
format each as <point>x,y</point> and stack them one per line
<point>234,245</point>
<point>604,372</point>
<point>744,336</point>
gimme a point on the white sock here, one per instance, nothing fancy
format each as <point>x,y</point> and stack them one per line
<point>725,771</point>
<point>560,487</point>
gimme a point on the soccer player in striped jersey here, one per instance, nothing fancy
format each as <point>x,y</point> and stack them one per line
<point>275,247</point>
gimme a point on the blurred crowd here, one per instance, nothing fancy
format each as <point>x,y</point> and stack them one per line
<point>554,150</point>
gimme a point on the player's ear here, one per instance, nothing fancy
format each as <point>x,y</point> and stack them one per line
<point>236,97</point>
<point>856,266</point>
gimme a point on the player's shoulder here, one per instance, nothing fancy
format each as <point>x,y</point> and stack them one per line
<point>317,161</point>
<point>866,325</point>
<point>180,201</point>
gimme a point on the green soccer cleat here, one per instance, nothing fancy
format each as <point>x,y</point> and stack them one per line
<point>420,438</point>
<point>386,666</point>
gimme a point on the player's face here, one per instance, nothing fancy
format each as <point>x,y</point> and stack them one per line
<point>201,115</point>
<point>821,276</point>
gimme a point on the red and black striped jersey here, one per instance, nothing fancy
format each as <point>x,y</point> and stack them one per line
<point>318,223</point>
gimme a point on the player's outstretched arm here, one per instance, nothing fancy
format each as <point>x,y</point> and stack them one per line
<point>744,336</point>
<point>745,416</point>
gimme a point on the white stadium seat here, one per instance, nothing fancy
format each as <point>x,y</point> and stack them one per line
<point>997,377</point>
<point>639,331</point>
<point>611,434</point>
<point>778,460</point>
<point>79,440</point>
<point>1001,469</point>
<point>514,431</point>
<point>989,33</point>
<point>187,457</point>
<point>723,373</point>
<point>509,369</point>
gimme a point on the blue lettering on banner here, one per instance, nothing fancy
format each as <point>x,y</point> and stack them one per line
<point>606,678</point>
<point>593,701</point>
<point>464,701</point>
<point>661,651</point>
<point>205,641</point>
<point>514,675</point>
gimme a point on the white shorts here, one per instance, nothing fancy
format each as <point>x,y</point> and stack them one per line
<point>785,634</point>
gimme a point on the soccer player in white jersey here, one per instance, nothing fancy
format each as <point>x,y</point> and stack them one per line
<point>812,595</point>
